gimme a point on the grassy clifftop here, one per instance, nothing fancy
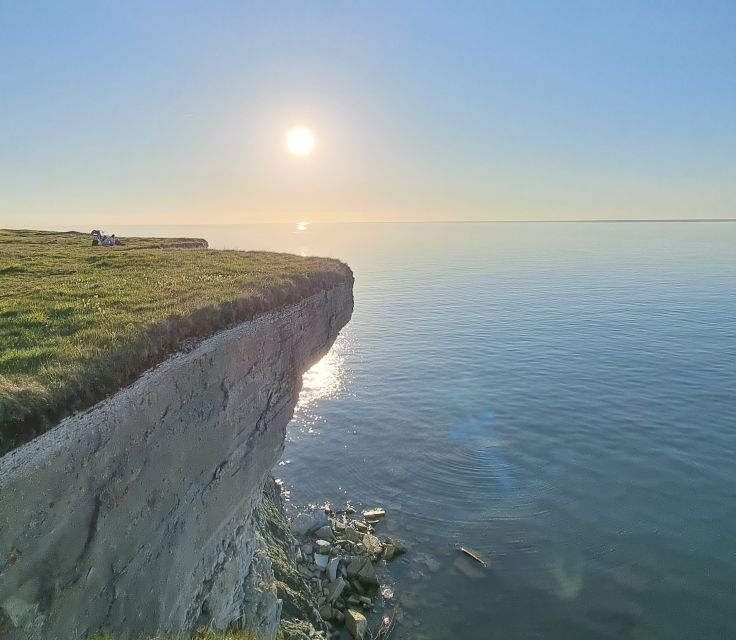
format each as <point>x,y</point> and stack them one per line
<point>79,322</point>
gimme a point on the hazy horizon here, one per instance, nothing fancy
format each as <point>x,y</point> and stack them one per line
<point>423,112</point>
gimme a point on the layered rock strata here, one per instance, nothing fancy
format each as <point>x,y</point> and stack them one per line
<point>139,515</point>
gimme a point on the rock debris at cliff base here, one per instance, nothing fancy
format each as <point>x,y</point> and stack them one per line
<point>335,556</point>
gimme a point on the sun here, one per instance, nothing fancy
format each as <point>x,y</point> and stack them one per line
<point>300,141</point>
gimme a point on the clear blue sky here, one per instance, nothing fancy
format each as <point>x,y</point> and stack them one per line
<point>168,112</point>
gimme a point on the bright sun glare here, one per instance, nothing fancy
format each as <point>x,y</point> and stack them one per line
<point>300,141</point>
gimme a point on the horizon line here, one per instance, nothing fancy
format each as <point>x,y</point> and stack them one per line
<point>504,221</point>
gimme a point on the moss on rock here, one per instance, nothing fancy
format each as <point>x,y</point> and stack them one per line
<point>299,617</point>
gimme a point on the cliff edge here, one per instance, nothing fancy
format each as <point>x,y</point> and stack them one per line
<point>139,515</point>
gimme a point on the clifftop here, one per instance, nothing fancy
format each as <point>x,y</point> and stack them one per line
<point>79,322</point>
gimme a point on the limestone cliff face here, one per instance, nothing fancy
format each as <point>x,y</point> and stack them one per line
<point>138,515</point>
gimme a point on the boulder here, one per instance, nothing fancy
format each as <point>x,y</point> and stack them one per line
<point>352,535</point>
<point>325,533</point>
<point>335,589</point>
<point>399,548</point>
<point>322,547</point>
<point>325,611</point>
<point>372,544</point>
<point>388,552</point>
<point>308,522</point>
<point>362,569</point>
<point>321,560</point>
<point>356,624</point>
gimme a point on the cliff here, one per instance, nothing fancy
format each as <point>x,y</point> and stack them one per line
<point>139,515</point>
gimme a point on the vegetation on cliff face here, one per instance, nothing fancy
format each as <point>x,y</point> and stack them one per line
<point>298,618</point>
<point>79,322</point>
<point>202,634</point>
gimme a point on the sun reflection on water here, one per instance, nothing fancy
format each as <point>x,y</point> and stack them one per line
<point>323,381</point>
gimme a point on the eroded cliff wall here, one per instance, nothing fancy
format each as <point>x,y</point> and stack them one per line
<point>137,516</point>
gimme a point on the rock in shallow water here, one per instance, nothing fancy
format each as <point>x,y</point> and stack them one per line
<point>308,522</point>
<point>356,624</point>
<point>374,514</point>
<point>325,533</point>
<point>362,569</point>
<point>372,544</point>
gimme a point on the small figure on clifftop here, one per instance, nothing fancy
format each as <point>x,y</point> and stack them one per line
<point>98,238</point>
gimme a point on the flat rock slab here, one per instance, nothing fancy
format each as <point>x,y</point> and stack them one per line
<point>374,514</point>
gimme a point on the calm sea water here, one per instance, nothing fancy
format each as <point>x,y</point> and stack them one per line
<point>560,398</point>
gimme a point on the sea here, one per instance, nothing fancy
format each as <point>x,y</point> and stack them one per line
<point>559,398</point>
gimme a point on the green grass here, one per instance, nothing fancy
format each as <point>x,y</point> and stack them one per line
<point>79,322</point>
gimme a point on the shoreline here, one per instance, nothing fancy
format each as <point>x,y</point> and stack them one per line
<point>332,556</point>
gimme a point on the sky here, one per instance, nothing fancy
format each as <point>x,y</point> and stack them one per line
<point>176,112</point>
